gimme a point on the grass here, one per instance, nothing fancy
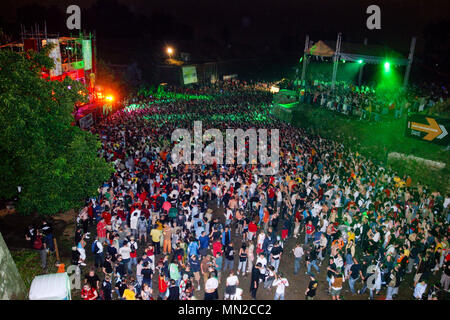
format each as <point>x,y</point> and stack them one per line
<point>376,140</point>
<point>28,263</point>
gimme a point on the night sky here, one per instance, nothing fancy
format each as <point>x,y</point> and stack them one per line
<point>247,24</point>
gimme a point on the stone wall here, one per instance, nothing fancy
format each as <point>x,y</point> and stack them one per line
<point>11,284</point>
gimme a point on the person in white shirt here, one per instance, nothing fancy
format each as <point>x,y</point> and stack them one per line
<point>134,222</point>
<point>281,283</point>
<point>231,285</point>
<point>125,251</point>
<point>419,290</point>
<point>298,254</point>
<point>211,288</point>
<point>262,259</point>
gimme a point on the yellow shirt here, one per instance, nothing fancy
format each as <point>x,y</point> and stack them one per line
<point>351,236</point>
<point>406,252</point>
<point>129,294</point>
<point>156,235</point>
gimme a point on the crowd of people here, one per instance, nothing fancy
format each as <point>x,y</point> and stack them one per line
<point>158,230</point>
<point>370,103</point>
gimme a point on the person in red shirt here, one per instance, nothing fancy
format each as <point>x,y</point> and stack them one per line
<point>217,247</point>
<point>107,216</point>
<point>162,286</point>
<point>309,231</point>
<point>88,293</point>
<point>101,230</point>
<point>271,195</point>
<point>252,229</point>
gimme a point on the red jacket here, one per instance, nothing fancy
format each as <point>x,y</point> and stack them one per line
<point>252,227</point>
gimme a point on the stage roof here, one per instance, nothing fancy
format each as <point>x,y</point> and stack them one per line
<point>357,51</point>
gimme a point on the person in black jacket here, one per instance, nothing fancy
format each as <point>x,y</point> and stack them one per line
<point>254,282</point>
<point>174,291</point>
<point>106,288</point>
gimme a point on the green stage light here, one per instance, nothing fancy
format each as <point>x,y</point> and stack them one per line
<point>387,67</point>
<point>343,61</point>
<point>360,61</point>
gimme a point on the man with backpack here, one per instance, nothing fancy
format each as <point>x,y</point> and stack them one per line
<point>133,254</point>
<point>97,250</point>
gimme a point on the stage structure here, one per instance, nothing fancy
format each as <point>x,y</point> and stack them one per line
<point>75,57</point>
<point>353,52</point>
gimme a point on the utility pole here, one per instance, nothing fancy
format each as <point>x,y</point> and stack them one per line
<point>336,60</point>
<point>410,60</point>
<point>362,67</point>
<point>304,58</point>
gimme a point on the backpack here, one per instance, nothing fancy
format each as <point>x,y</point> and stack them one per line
<point>37,244</point>
<point>94,247</point>
<point>132,247</point>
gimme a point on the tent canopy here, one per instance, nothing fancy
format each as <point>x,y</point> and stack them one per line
<point>374,54</point>
<point>320,49</point>
<point>55,286</point>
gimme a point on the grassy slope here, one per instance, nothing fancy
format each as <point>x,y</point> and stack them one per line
<point>376,140</point>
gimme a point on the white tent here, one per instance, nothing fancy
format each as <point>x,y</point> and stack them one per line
<point>55,286</point>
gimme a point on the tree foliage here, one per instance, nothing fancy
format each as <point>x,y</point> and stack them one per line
<point>55,163</point>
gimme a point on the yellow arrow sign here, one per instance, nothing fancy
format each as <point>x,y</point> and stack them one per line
<point>432,129</point>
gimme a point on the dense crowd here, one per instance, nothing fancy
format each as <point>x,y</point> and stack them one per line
<point>371,103</point>
<point>163,231</point>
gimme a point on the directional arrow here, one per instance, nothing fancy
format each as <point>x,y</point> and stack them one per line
<point>444,132</point>
<point>433,130</point>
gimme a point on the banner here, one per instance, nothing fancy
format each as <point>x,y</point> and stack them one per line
<point>189,74</point>
<point>87,54</point>
<point>55,55</point>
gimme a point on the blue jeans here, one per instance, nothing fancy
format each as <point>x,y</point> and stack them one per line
<point>99,259</point>
<point>276,264</point>
<point>279,296</point>
<point>49,242</point>
<point>312,264</point>
<point>351,283</point>
<point>229,264</point>
<point>127,264</point>
<point>139,280</point>
<point>133,261</point>
<point>363,289</point>
<point>297,265</point>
